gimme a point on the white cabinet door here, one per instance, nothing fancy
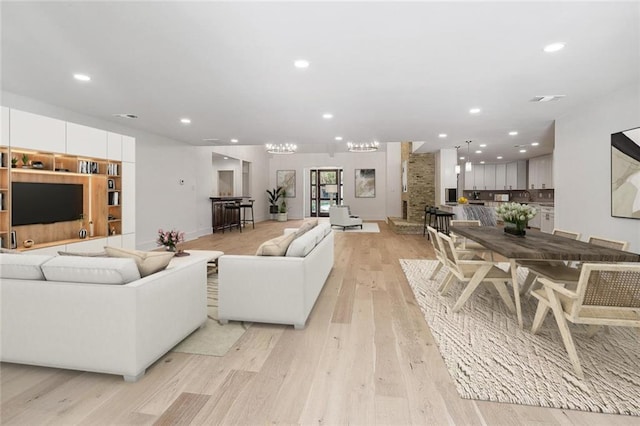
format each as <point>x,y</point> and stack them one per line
<point>128,149</point>
<point>536,221</point>
<point>36,132</point>
<point>490,176</point>
<point>86,141</point>
<point>478,176</point>
<point>546,172</point>
<point>128,198</point>
<point>533,176</point>
<point>468,180</point>
<point>512,175</point>
<point>114,146</point>
<point>501,177</point>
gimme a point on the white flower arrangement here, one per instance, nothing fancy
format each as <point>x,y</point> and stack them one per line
<point>516,213</point>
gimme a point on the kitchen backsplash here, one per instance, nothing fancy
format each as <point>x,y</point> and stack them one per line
<point>532,195</point>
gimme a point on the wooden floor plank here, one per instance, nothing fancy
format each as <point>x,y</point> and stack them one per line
<point>183,409</point>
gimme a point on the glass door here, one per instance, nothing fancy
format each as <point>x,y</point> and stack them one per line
<point>326,190</point>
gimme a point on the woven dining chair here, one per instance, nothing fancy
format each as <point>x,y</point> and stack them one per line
<point>605,294</point>
<point>604,242</point>
<point>467,244</point>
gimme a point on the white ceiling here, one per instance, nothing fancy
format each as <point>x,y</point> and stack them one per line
<point>387,71</point>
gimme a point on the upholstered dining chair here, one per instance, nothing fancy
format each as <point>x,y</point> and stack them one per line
<point>605,294</point>
<point>473,272</point>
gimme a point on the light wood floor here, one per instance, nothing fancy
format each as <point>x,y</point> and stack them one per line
<point>366,357</point>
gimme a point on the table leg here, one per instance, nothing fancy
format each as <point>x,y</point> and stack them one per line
<point>516,290</point>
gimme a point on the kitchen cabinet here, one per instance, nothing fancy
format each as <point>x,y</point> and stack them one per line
<point>36,132</point>
<point>536,221</point>
<point>501,177</point>
<point>541,172</point>
<point>474,180</point>
<point>517,175</point>
<point>489,177</point>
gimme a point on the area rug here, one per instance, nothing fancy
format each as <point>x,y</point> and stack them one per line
<point>366,227</point>
<point>213,339</point>
<point>490,358</point>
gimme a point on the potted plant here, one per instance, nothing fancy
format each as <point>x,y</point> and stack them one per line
<point>14,162</point>
<point>282,211</point>
<point>25,161</point>
<point>274,196</point>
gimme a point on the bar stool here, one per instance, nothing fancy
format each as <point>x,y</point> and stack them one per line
<point>430,219</point>
<point>232,216</point>
<point>247,206</point>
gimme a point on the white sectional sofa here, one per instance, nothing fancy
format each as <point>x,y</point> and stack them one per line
<point>279,289</point>
<point>86,321</point>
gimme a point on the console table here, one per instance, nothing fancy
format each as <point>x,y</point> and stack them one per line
<point>217,211</point>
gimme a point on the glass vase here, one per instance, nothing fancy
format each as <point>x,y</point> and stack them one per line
<point>515,228</point>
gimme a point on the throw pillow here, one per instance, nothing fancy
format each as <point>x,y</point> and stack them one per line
<point>277,246</point>
<point>306,226</point>
<point>91,270</point>
<point>148,262</point>
<point>83,254</point>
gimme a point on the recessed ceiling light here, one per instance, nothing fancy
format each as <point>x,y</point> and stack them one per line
<point>234,140</point>
<point>478,152</point>
<point>554,47</point>
<point>499,157</point>
<point>513,133</point>
<point>482,145</point>
<point>535,144</point>
<point>523,150</point>
<point>474,110</point>
<point>301,63</point>
<point>185,121</point>
<point>82,77</point>
<point>482,162</point>
<point>131,116</point>
<point>442,135</point>
<point>462,158</point>
<point>327,116</point>
<point>338,138</point>
<point>225,158</point>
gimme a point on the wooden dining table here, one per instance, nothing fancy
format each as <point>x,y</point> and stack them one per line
<point>536,245</point>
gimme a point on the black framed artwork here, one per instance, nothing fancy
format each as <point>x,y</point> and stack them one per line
<point>111,184</point>
<point>625,174</point>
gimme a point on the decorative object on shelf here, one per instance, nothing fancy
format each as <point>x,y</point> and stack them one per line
<point>91,233</point>
<point>286,148</point>
<point>363,147</point>
<point>515,217</point>
<point>25,161</point>
<point>27,243</point>
<point>625,174</point>
<point>467,165</point>
<point>14,162</point>
<point>14,240</point>
<point>113,230</point>
<point>37,165</point>
<point>286,179</point>
<point>274,196</point>
<point>365,183</point>
<point>111,184</point>
<point>169,239</point>
<point>82,233</point>
<point>463,200</point>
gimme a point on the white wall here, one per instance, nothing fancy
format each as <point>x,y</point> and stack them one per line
<point>445,173</point>
<point>367,208</point>
<point>394,179</point>
<point>582,166</point>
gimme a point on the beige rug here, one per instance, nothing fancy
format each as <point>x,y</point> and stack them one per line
<point>213,339</point>
<point>490,358</point>
<point>370,227</point>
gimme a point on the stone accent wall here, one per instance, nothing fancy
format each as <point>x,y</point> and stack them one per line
<point>421,188</point>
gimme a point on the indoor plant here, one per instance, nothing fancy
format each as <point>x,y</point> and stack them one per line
<point>25,160</point>
<point>14,162</point>
<point>282,212</point>
<point>515,217</point>
<point>274,196</point>
<point>169,239</point>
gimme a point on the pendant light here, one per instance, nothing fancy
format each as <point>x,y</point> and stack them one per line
<point>467,165</point>
<point>457,160</point>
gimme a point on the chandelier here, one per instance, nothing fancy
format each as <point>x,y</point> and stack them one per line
<point>362,147</point>
<point>286,148</point>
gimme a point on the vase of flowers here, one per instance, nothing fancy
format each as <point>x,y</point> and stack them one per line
<point>515,217</point>
<point>169,239</point>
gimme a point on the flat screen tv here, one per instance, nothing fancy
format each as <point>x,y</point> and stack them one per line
<point>33,203</point>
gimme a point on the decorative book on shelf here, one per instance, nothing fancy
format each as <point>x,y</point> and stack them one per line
<point>114,198</point>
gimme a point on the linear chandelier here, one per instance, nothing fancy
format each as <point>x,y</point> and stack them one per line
<point>286,148</point>
<point>363,147</point>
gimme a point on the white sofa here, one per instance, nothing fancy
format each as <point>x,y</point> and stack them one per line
<point>276,289</point>
<point>116,329</point>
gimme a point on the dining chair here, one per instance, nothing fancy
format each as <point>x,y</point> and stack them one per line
<point>473,272</point>
<point>465,243</point>
<point>442,261</point>
<point>604,242</point>
<point>549,268</point>
<point>606,294</point>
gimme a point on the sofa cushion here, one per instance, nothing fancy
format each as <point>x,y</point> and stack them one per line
<point>22,267</point>
<point>302,246</point>
<point>148,262</point>
<point>12,251</point>
<point>306,226</point>
<point>83,254</point>
<point>91,270</point>
<point>276,246</point>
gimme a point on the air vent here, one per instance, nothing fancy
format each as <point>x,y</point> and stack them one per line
<point>546,98</point>
<point>129,116</point>
<point>212,140</point>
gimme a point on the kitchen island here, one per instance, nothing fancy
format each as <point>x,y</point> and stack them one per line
<point>486,215</point>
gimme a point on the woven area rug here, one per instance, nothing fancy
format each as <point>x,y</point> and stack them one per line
<point>213,339</point>
<point>490,358</point>
<point>366,227</point>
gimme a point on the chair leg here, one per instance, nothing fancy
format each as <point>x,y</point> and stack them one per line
<point>446,283</point>
<point>541,314</point>
<point>471,286</point>
<point>435,271</point>
<point>528,282</point>
<point>558,313</point>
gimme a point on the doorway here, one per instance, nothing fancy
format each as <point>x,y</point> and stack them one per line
<point>326,190</point>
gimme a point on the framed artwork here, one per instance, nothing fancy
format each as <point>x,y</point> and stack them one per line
<point>625,174</point>
<point>111,184</point>
<point>365,183</point>
<point>287,180</point>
